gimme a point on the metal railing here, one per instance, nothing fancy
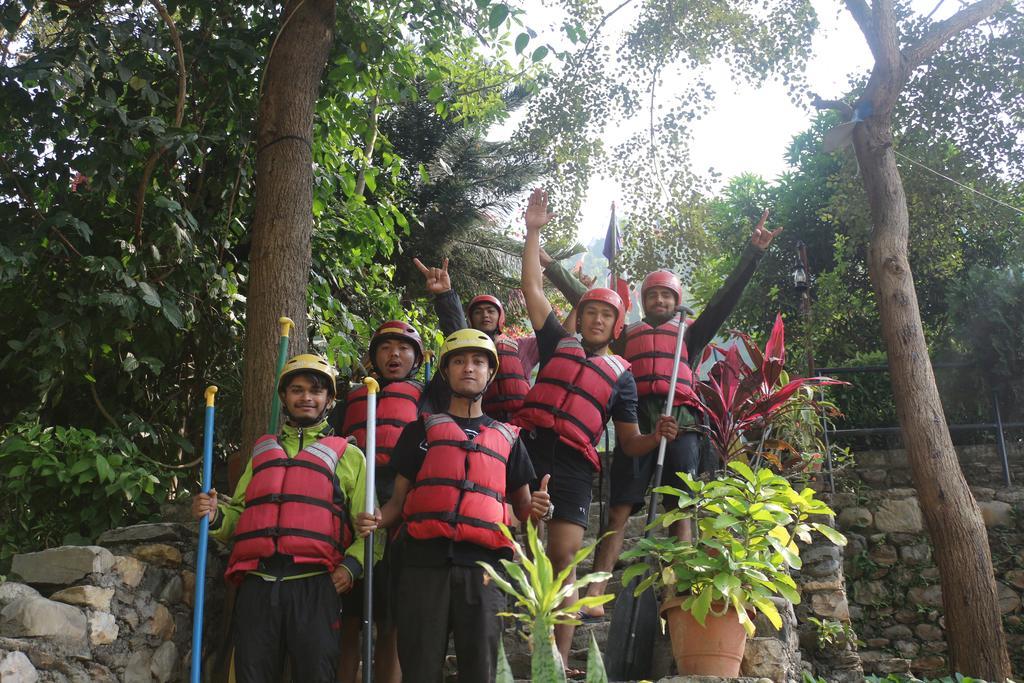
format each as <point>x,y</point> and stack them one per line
<point>997,425</point>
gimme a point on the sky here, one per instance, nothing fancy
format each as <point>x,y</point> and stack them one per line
<point>748,129</point>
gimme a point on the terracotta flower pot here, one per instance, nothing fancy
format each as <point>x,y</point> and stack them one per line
<point>714,649</point>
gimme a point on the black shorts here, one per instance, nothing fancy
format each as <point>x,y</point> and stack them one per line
<point>572,477</point>
<point>631,477</point>
<point>384,582</point>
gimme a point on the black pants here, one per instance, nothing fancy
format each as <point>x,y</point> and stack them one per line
<point>432,602</point>
<point>297,619</point>
<point>631,477</point>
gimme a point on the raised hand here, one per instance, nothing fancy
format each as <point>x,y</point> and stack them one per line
<point>763,237</point>
<point>537,213</point>
<point>436,280</point>
<point>205,504</point>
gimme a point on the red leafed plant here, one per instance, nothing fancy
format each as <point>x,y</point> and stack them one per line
<point>740,399</point>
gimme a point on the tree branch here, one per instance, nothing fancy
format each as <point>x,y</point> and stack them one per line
<point>929,44</point>
<point>887,50</point>
<point>838,105</point>
<point>861,13</point>
<point>179,111</point>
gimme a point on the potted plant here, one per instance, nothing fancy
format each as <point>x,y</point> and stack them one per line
<point>748,518</point>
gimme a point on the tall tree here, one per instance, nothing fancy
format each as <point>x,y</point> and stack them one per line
<point>976,639</point>
<point>282,224</point>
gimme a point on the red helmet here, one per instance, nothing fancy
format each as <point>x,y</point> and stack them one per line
<point>488,299</point>
<point>662,278</point>
<point>396,329</point>
<point>605,296</point>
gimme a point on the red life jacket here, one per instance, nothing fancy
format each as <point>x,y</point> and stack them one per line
<point>508,390</point>
<point>397,406</point>
<point>650,351</point>
<point>291,508</point>
<point>459,492</point>
<point>571,397</point>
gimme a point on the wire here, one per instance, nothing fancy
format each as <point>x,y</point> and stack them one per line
<point>956,182</point>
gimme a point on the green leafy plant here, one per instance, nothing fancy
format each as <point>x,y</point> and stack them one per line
<point>539,593</point>
<point>66,486</point>
<point>748,526</point>
<point>832,633</point>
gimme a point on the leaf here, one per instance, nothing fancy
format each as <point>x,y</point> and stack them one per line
<point>149,294</point>
<point>498,15</point>
<point>504,673</point>
<point>521,40</point>
<point>173,314</point>
<point>103,467</point>
<point>830,533</point>
<point>702,604</point>
<point>595,664</point>
<point>539,54</point>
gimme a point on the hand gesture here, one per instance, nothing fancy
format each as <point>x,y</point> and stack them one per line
<point>205,504</point>
<point>537,213</point>
<point>763,237</point>
<point>435,279</point>
<point>342,579</point>
<point>666,427</point>
<point>366,523</point>
<point>540,500</point>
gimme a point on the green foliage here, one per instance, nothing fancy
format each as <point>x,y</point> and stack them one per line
<point>899,678</point>
<point>66,486</point>
<point>748,523</point>
<point>539,593</point>
<point>831,633</point>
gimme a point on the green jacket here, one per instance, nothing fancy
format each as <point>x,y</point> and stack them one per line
<point>351,471</point>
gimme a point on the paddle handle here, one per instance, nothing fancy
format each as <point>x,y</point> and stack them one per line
<point>204,535</point>
<point>372,387</point>
<point>285,324</point>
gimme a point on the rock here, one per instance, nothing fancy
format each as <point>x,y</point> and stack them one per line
<point>877,643</point>
<point>898,632</point>
<point>63,565</point>
<point>930,574</point>
<point>103,628</point>
<point>1008,599</point>
<point>925,596</point>
<point>854,518</point>
<point>831,583</point>
<point>164,662</point>
<point>830,604</point>
<point>908,649</point>
<point>870,592</point>
<point>12,590</point>
<point>765,657</point>
<point>929,632</point>
<point>35,616</point>
<point>905,616</point>
<point>137,670</point>
<point>914,555</point>
<point>130,569</point>
<point>159,554</point>
<point>787,633</point>
<point>928,663</point>
<point>874,478</point>
<point>1015,577</point>
<point>883,555</point>
<point>899,515</point>
<point>822,568</point>
<point>982,493</point>
<point>161,625</point>
<point>172,591</point>
<point>86,596</point>
<point>15,667</point>
<point>996,513</point>
<point>901,493</point>
<point>188,580</point>
<point>148,533</point>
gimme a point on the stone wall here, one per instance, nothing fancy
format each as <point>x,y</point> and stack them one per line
<point>119,611</point>
<point>896,599</point>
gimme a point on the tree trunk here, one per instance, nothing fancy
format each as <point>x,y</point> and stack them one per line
<point>977,645</point>
<point>283,219</point>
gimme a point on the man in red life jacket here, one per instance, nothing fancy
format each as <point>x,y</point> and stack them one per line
<point>396,353</point>
<point>487,314</point>
<point>294,549</point>
<point>649,345</point>
<point>456,472</point>
<point>579,387</point>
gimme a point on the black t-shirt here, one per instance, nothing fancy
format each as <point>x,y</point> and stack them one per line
<point>623,400</point>
<point>407,459</point>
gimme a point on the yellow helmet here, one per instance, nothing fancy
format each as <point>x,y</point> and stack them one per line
<point>468,338</point>
<point>308,362</point>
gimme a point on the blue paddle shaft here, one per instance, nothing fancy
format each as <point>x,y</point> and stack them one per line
<point>204,535</point>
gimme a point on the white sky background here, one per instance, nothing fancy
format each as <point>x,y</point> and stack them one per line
<point>747,129</point>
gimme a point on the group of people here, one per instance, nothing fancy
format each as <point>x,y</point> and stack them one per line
<point>454,461</point>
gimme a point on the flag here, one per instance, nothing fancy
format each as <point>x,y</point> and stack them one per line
<point>612,247</point>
